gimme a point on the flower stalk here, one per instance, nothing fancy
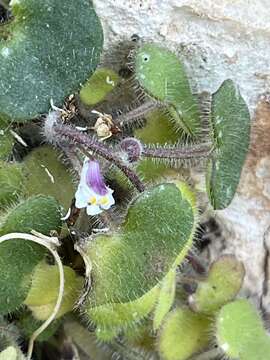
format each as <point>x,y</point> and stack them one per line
<point>70,134</point>
<point>174,153</point>
<point>137,114</point>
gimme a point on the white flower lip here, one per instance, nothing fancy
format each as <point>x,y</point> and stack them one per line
<point>87,197</point>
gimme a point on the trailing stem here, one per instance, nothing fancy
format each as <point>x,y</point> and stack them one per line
<point>174,153</point>
<point>137,114</point>
<point>72,135</point>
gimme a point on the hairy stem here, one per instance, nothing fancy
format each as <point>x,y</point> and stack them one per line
<point>73,158</point>
<point>190,152</point>
<point>72,135</point>
<point>136,114</point>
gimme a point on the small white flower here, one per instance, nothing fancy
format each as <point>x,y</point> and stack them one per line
<point>92,192</point>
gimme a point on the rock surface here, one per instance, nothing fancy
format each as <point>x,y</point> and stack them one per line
<point>216,39</point>
<point>219,40</point>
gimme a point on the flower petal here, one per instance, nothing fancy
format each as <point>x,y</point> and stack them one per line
<point>93,210</point>
<point>92,190</point>
<point>82,196</point>
<point>84,171</point>
<point>110,202</point>
<point>110,191</point>
<point>94,178</point>
<point>80,200</point>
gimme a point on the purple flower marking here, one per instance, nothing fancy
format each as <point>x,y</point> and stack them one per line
<point>92,192</point>
<point>94,178</point>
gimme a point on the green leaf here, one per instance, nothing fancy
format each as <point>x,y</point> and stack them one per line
<point>116,316</point>
<point>154,239</point>
<point>240,332</point>
<point>162,75</point>
<point>231,136</point>
<point>45,174</point>
<point>11,179</point>
<point>157,130</point>
<point>28,324</point>
<point>141,335</point>
<point>222,284</point>
<point>52,47</point>
<point>165,298</point>
<point>44,290</point>
<point>106,334</point>
<point>19,257</point>
<point>100,84</point>
<point>6,142</point>
<point>183,334</point>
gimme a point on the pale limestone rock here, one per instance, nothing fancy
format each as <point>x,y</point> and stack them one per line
<point>217,39</point>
